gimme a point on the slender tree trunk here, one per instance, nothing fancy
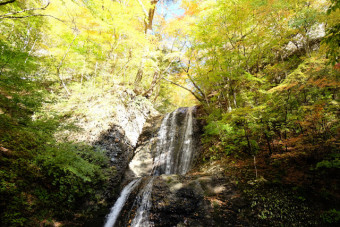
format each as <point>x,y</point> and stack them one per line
<point>229,104</point>
<point>234,96</point>
<point>286,118</point>
<point>139,77</point>
<point>255,167</point>
<point>268,143</point>
<point>29,52</point>
<point>61,63</point>
<point>248,140</point>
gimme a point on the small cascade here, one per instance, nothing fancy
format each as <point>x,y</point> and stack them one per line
<point>116,209</point>
<point>174,154</point>
<point>142,215</point>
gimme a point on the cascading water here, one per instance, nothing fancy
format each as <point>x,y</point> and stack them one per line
<point>115,210</point>
<point>187,149</point>
<point>142,215</point>
<point>174,149</point>
<point>174,154</point>
<point>172,133</point>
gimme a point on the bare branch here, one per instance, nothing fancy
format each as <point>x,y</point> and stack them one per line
<point>195,85</point>
<point>123,67</point>
<point>10,14</point>
<point>159,79</point>
<point>192,80</point>
<point>31,15</point>
<point>143,7</point>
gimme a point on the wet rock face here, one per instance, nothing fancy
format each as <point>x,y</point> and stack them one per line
<point>119,141</point>
<point>142,162</point>
<point>176,201</point>
<point>119,149</point>
<point>196,201</point>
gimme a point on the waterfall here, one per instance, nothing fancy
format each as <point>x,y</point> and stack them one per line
<point>159,160</point>
<point>169,154</point>
<point>115,210</point>
<point>174,154</point>
<point>174,149</point>
<point>187,150</point>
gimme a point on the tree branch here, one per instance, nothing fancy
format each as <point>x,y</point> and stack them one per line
<point>121,69</point>
<point>25,10</point>
<point>9,15</point>
<point>7,2</point>
<point>143,7</point>
<point>192,80</point>
<point>193,93</point>
<point>32,15</point>
<point>195,85</point>
<point>158,80</point>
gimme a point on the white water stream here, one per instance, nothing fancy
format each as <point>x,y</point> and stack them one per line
<point>124,195</point>
<point>142,215</point>
<point>187,149</point>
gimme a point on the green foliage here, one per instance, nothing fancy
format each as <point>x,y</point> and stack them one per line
<point>261,93</point>
<point>333,161</point>
<point>332,40</point>
<point>262,77</point>
<point>331,216</point>
<point>43,178</point>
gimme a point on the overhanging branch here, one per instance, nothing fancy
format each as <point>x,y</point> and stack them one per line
<point>10,14</point>
<point>7,2</point>
<point>193,93</point>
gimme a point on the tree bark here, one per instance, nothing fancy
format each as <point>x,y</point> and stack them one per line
<point>149,15</point>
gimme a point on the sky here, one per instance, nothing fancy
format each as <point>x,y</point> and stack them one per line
<point>171,10</point>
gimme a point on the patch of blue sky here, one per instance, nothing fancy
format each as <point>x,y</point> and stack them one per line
<point>171,10</point>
